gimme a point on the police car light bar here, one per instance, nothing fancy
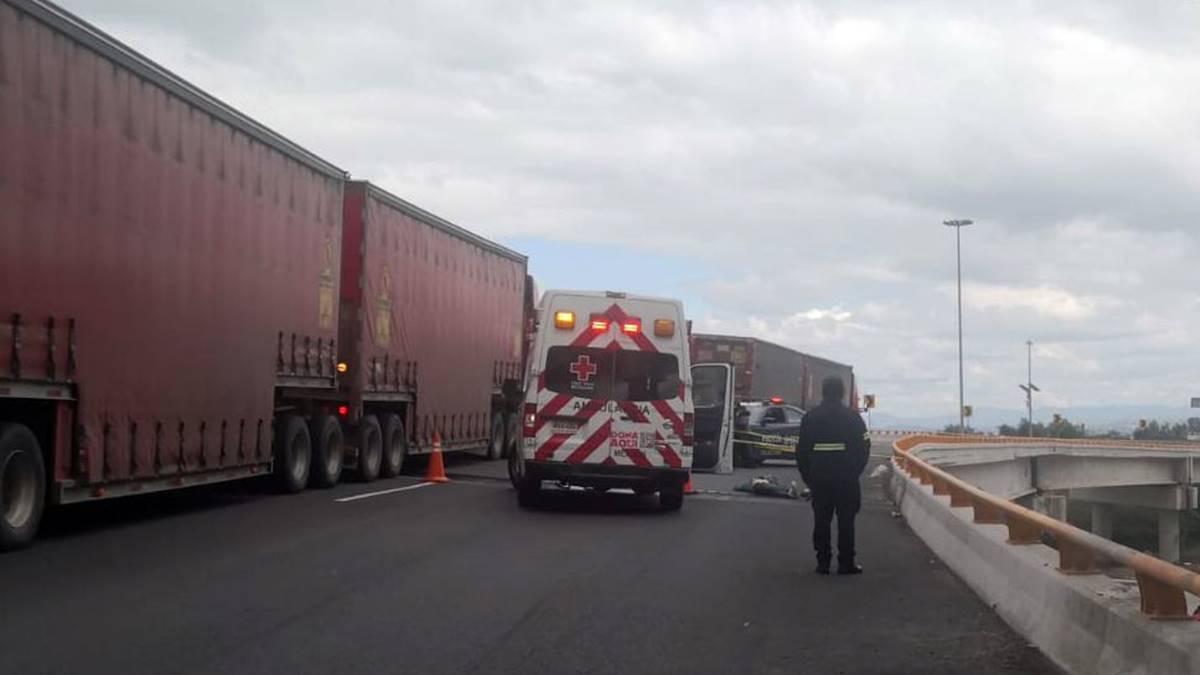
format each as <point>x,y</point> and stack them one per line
<point>776,400</point>
<point>564,320</point>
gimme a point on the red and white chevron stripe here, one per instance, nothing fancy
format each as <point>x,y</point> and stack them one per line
<point>644,434</point>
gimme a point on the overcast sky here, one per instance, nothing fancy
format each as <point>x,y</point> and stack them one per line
<point>782,167</point>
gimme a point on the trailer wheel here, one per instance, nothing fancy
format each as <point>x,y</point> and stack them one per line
<point>370,449</point>
<point>22,486</point>
<point>495,448</point>
<point>293,453</point>
<point>670,499</point>
<point>328,451</point>
<point>395,446</point>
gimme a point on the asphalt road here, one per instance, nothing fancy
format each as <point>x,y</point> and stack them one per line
<point>457,579</point>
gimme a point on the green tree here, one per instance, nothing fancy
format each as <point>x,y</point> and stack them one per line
<point>1161,431</point>
<point>1060,427</point>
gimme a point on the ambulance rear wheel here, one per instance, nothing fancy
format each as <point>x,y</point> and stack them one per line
<point>395,446</point>
<point>495,447</point>
<point>516,469</point>
<point>670,499</point>
<point>512,434</point>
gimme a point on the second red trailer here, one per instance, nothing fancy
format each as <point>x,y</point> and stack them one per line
<point>433,325</point>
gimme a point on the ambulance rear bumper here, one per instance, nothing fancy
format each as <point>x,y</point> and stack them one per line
<point>608,475</point>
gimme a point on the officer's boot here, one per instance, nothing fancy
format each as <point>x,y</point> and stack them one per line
<point>847,566</point>
<point>823,563</point>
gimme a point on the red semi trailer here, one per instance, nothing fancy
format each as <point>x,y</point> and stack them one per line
<point>435,322</point>
<point>177,303</point>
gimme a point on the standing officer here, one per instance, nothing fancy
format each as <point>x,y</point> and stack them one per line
<point>832,451</point>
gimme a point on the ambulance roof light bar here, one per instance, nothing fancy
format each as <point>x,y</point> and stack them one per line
<point>564,320</point>
<point>631,325</point>
<point>599,323</point>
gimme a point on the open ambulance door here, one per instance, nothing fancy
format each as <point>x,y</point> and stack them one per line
<point>712,395</point>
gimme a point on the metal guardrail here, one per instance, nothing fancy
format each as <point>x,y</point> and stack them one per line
<point>1161,584</point>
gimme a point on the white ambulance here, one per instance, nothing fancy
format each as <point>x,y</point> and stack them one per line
<point>608,397</point>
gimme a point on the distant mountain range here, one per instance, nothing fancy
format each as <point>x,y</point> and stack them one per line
<point>1098,419</point>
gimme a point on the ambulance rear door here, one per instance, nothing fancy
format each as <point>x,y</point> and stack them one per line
<point>712,396</point>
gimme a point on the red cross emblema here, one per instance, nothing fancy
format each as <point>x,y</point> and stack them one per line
<point>583,368</point>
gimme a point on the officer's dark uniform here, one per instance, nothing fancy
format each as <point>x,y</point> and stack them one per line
<point>832,451</point>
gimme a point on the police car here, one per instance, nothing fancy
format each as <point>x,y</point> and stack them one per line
<point>608,400</point>
<point>765,430</point>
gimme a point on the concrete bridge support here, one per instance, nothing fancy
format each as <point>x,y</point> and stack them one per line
<point>1169,530</point>
<point>1102,520</point>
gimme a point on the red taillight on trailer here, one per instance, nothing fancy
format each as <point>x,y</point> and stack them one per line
<point>528,429</point>
<point>689,428</point>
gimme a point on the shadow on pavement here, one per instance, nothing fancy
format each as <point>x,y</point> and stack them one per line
<point>74,519</point>
<point>552,500</point>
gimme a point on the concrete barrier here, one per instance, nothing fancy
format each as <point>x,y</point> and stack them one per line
<point>1085,624</point>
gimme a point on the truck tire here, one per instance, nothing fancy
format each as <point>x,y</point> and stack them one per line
<point>495,447</point>
<point>22,486</point>
<point>293,453</point>
<point>328,451</point>
<point>670,499</point>
<point>395,446</point>
<point>370,449</point>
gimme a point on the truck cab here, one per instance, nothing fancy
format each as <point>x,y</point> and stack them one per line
<point>608,400</point>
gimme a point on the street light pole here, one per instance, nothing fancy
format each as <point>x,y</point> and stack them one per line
<point>1029,388</point>
<point>958,225</point>
<point>1029,397</point>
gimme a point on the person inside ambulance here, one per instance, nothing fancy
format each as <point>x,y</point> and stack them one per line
<point>831,453</point>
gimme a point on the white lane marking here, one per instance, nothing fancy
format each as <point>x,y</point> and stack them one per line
<point>368,495</point>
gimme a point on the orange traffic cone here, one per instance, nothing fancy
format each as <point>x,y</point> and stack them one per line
<point>437,470</point>
<point>687,487</point>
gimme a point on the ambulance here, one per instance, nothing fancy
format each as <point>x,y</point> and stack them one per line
<point>608,400</point>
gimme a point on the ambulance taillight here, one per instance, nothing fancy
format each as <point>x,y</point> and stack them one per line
<point>689,428</point>
<point>529,429</point>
